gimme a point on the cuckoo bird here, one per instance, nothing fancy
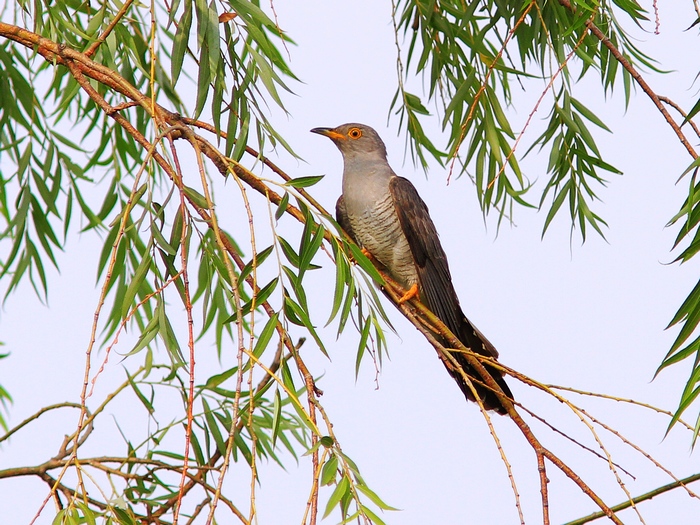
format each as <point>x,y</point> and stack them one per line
<point>385,216</point>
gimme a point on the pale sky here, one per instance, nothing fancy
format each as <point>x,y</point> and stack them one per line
<point>590,316</point>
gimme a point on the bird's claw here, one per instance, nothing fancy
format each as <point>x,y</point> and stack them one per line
<point>410,294</point>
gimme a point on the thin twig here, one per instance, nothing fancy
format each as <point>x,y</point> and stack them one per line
<point>675,106</point>
<point>103,36</point>
<point>643,497</point>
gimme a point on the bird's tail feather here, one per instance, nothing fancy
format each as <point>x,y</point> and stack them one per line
<point>476,342</point>
<point>488,397</point>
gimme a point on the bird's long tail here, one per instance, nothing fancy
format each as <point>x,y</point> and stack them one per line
<point>470,337</point>
<point>474,340</point>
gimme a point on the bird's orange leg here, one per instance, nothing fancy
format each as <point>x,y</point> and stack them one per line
<point>410,294</point>
<point>366,253</point>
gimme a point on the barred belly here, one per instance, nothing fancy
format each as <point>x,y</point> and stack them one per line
<point>379,231</point>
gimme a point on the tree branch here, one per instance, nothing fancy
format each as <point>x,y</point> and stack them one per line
<point>595,31</point>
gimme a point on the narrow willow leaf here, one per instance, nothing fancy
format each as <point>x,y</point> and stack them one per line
<point>589,114</point>
<point>217,379</point>
<point>291,255</point>
<point>265,336</point>
<point>304,182</point>
<point>330,471</point>
<point>203,80</point>
<point>365,263</point>
<point>362,345</point>
<point>376,520</point>
<point>282,206</point>
<point>309,250</point>
<point>180,41</point>
<point>256,262</point>
<point>276,416</point>
<point>558,201</point>
<point>340,490</point>
<point>162,243</point>
<point>287,378</point>
<point>690,394</point>
<point>144,400</point>
<point>196,197</point>
<point>676,356</point>
<point>373,497</point>
<point>212,36</point>
<point>295,312</point>
<point>262,296</point>
<point>167,335</point>
<point>242,137</point>
<point>693,111</point>
<point>147,335</point>
<point>213,428</point>
<point>341,277</point>
<point>690,302</point>
<point>347,305</point>
<point>136,281</point>
<point>122,515</point>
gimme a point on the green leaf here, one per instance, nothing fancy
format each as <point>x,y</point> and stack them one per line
<point>365,263</point>
<point>196,197</point>
<point>373,497</point>
<point>257,300</point>
<point>276,416</point>
<point>589,114</point>
<point>363,344</point>
<point>341,277</point>
<point>340,490</point>
<point>180,41</point>
<point>136,282</point>
<point>304,182</point>
<point>282,206</point>
<point>297,315</point>
<point>266,334</point>
<point>217,379</point>
<point>144,400</point>
<point>329,471</point>
<point>213,428</point>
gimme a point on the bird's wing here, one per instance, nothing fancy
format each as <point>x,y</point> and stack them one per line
<point>437,290</point>
<point>342,217</point>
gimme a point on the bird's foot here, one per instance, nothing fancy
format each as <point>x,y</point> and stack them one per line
<point>367,254</point>
<point>410,294</point>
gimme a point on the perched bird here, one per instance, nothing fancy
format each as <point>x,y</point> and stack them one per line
<point>384,215</point>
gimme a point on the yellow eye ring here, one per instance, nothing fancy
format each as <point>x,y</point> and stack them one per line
<point>355,133</point>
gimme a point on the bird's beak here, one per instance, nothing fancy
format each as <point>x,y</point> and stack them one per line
<point>329,132</point>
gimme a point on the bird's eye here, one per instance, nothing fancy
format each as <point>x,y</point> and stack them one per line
<point>355,133</point>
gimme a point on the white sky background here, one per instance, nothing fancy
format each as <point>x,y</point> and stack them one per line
<point>590,316</point>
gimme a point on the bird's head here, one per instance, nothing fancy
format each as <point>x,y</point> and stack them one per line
<point>354,140</point>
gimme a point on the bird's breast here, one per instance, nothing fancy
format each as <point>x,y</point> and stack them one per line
<point>377,227</point>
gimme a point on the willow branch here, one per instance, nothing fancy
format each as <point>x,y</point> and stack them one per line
<point>595,31</point>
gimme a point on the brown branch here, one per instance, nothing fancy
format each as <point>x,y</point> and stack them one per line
<point>572,440</point>
<point>37,415</point>
<point>675,106</point>
<point>190,328</point>
<point>595,31</point>
<point>103,36</point>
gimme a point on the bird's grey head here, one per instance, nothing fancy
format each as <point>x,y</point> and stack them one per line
<point>355,140</point>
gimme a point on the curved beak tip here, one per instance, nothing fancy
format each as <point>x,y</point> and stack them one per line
<point>328,132</point>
